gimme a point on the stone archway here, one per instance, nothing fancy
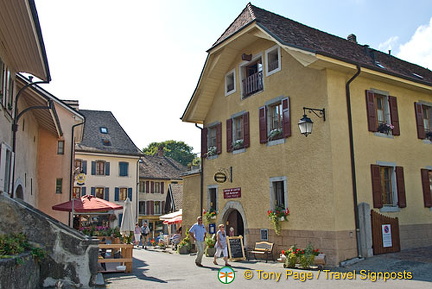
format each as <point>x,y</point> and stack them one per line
<point>233,215</point>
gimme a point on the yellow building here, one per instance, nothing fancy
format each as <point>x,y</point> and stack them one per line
<point>369,148</point>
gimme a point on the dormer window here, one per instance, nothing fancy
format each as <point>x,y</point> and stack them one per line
<point>252,77</point>
<point>103,130</point>
<point>273,60</point>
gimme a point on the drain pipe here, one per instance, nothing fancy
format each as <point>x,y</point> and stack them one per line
<point>72,159</point>
<point>15,123</point>
<point>201,178</point>
<point>353,166</point>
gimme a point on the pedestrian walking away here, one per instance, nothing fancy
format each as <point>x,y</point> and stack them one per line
<point>221,245</point>
<point>137,234</point>
<point>198,233</point>
<point>145,230</point>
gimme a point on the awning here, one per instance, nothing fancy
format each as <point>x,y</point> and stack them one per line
<point>175,220</point>
<point>171,215</point>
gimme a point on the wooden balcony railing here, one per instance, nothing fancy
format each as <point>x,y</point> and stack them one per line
<point>252,84</point>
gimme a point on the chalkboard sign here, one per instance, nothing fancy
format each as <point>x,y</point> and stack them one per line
<point>236,248</point>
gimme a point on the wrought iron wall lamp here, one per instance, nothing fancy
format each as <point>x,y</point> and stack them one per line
<point>305,123</point>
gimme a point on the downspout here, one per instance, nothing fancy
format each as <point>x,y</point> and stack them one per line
<point>353,166</point>
<point>15,123</point>
<point>72,160</point>
<point>201,178</point>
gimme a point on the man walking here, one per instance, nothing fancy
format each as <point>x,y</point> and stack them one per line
<point>145,230</point>
<point>198,233</point>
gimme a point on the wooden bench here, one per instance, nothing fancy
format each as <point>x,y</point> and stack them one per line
<point>264,249</point>
<point>125,252</point>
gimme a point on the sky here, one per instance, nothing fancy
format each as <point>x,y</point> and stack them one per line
<point>142,59</point>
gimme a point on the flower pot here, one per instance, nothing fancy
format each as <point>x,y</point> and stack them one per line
<point>210,251</point>
<point>183,250</point>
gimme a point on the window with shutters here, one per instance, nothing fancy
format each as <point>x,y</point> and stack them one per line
<point>382,113</point>
<point>388,187</point>
<point>123,194</point>
<point>238,135</point>
<point>273,60</point>
<point>274,120</point>
<point>211,140</point>
<point>123,169</point>
<point>99,192</point>
<point>424,120</point>
<point>142,208</point>
<point>100,168</point>
<point>426,175</point>
<point>230,83</point>
<point>142,187</point>
<point>76,193</point>
<point>157,208</point>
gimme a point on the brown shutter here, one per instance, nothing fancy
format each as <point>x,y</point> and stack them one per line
<point>204,133</point>
<point>147,185</point>
<point>148,210</point>
<point>219,138</point>
<point>229,135</point>
<point>376,186</point>
<point>151,207</point>
<point>162,187</point>
<point>427,197</point>
<point>246,130</point>
<point>371,111</point>
<point>263,124</point>
<point>163,207</point>
<point>152,187</point>
<point>394,115</point>
<point>421,134</point>
<point>400,187</point>
<point>286,117</point>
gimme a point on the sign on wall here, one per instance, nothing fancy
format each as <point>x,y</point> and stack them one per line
<point>232,193</point>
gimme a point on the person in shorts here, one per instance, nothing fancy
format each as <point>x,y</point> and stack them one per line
<point>221,245</point>
<point>145,230</point>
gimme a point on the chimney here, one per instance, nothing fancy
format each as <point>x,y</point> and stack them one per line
<point>160,152</point>
<point>352,38</point>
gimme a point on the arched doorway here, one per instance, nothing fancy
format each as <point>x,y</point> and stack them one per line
<point>19,193</point>
<point>235,220</point>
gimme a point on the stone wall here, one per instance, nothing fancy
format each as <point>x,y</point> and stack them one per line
<point>71,257</point>
<point>24,275</point>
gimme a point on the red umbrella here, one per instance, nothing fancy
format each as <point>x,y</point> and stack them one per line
<point>87,203</point>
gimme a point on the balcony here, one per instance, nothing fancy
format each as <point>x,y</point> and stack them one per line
<point>252,84</point>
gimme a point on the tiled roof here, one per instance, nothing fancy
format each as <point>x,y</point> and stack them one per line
<point>295,34</point>
<point>160,167</point>
<point>115,141</point>
<point>177,193</point>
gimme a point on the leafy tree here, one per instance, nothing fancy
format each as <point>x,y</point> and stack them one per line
<point>177,150</point>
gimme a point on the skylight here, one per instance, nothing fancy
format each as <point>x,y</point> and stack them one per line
<point>103,129</point>
<point>377,63</point>
<point>417,75</point>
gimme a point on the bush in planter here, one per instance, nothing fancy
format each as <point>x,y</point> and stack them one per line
<point>210,243</point>
<point>185,245</point>
<point>303,257</point>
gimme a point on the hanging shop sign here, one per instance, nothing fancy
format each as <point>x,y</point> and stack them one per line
<point>80,179</point>
<point>220,177</point>
<point>232,193</point>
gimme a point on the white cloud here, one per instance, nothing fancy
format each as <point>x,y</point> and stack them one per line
<point>389,44</point>
<point>418,49</point>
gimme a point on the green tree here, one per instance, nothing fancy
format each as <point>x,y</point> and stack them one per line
<point>177,150</point>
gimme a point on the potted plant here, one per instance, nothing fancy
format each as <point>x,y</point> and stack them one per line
<point>279,214</point>
<point>209,215</point>
<point>238,144</point>
<point>184,246</point>
<point>303,258</point>
<point>385,127</point>
<point>211,151</point>
<point>210,246</point>
<point>275,134</point>
<point>429,135</point>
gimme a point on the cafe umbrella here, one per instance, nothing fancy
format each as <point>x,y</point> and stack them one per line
<point>127,224</point>
<point>87,204</point>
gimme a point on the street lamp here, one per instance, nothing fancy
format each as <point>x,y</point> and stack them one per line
<point>305,123</point>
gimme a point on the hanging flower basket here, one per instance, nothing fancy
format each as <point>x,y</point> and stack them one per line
<point>276,216</point>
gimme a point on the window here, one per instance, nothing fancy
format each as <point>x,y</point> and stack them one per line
<point>278,193</point>
<point>388,187</point>
<point>76,193</point>
<point>273,60</point>
<point>238,136</point>
<point>252,80</point>
<point>106,142</point>
<point>424,120</point>
<point>6,86</point>
<point>427,187</point>
<point>141,208</point>
<point>274,120</point>
<point>99,193</point>
<point>103,130</point>
<point>230,84</point>
<point>142,186</point>
<point>59,186</point>
<point>382,113</point>
<point>6,162</point>
<point>60,147</point>
<point>123,168</point>
<point>157,186</point>
<point>100,168</point>
<point>157,207</point>
<point>123,194</point>
<point>211,140</point>
<point>212,199</point>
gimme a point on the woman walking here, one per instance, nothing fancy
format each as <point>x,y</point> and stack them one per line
<point>221,245</point>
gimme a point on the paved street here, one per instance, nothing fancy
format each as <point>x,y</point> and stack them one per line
<point>155,269</point>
